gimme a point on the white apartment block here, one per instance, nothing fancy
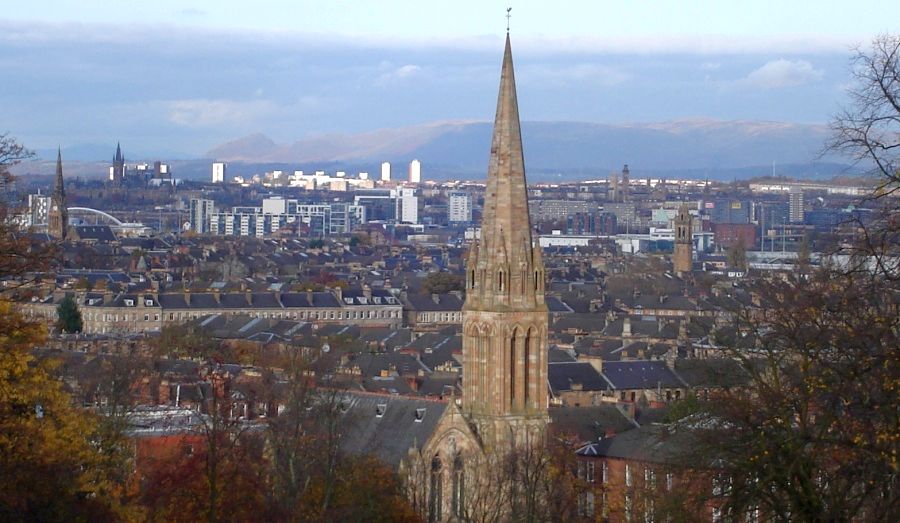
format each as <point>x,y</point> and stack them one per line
<point>218,172</point>
<point>459,206</point>
<point>415,171</point>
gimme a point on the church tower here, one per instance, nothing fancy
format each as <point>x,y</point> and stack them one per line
<point>117,171</point>
<point>58,218</point>
<point>684,242</point>
<point>504,317</point>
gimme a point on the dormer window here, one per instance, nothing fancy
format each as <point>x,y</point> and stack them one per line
<point>420,415</point>
<point>129,303</point>
<point>380,409</point>
<point>148,303</point>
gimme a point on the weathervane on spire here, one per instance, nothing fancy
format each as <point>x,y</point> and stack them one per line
<point>508,15</point>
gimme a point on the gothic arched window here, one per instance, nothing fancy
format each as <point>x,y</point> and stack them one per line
<point>457,499</point>
<point>435,494</point>
<point>513,347</point>
<point>530,341</point>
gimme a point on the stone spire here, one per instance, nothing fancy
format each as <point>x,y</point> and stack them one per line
<point>58,218</point>
<point>504,317</point>
<point>59,192</point>
<point>118,159</point>
<point>502,268</point>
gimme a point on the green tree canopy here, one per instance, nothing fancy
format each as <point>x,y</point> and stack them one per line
<point>69,317</point>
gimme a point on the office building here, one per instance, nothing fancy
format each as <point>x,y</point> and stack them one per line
<point>415,171</point>
<point>201,210</point>
<point>386,171</point>
<point>796,205</point>
<point>218,172</point>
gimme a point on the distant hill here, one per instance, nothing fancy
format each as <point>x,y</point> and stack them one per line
<point>718,148</point>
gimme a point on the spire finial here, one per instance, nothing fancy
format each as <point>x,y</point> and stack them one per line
<point>508,15</point>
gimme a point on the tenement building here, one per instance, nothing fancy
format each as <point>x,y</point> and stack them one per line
<point>149,312</point>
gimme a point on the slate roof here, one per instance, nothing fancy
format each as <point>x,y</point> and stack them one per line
<point>565,376</point>
<point>589,423</point>
<point>711,372</point>
<point>640,375</point>
<point>650,443</point>
<point>437,303</point>
<point>100,233</point>
<point>405,423</point>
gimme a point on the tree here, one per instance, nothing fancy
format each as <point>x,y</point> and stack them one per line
<point>868,130</point>
<point>442,283</point>
<point>50,469</point>
<point>69,317</point>
<point>814,434</point>
<point>19,256</point>
<point>737,255</point>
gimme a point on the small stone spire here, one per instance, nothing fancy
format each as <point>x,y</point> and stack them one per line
<point>59,191</point>
<point>58,218</point>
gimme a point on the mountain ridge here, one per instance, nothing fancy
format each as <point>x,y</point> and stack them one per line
<point>696,143</point>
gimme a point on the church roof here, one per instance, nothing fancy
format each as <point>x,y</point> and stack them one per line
<point>389,426</point>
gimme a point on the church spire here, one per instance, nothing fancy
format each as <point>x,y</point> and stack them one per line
<point>504,272</point>
<point>58,217</point>
<point>59,191</point>
<point>504,316</point>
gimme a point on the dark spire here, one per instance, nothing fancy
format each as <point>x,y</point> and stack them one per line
<point>60,189</point>
<point>118,158</point>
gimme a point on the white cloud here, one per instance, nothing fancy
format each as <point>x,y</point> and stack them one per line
<point>783,73</point>
<point>398,74</point>
<point>202,112</point>
<point>637,44</point>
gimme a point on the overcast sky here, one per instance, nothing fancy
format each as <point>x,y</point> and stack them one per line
<point>185,76</point>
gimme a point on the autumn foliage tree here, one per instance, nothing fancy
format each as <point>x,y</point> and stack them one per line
<point>50,469</point>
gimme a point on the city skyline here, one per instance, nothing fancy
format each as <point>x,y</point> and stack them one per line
<point>181,80</point>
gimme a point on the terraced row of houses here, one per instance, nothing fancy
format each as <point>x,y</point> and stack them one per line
<point>148,312</point>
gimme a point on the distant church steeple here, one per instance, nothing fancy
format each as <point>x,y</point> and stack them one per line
<point>58,218</point>
<point>117,171</point>
<point>504,317</point>
<point>683,259</point>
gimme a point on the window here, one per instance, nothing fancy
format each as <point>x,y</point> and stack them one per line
<point>457,498</point>
<point>380,409</point>
<point>649,478</point>
<point>670,481</point>
<point>420,415</point>
<point>586,505</point>
<point>604,471</point>
<point>435,494</point>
